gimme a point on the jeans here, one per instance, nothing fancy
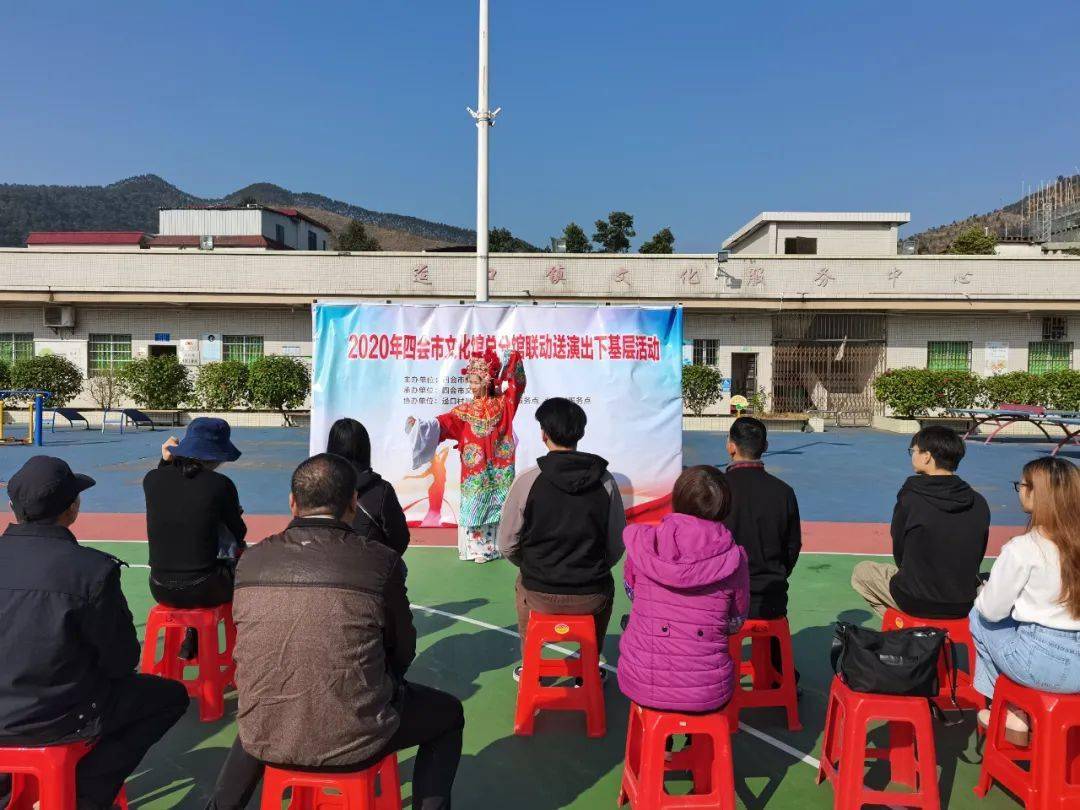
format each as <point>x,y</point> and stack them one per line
<point>432,719</point>
<point>139,709</point>
<point>1032,655</point>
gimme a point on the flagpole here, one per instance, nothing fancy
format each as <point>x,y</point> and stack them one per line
<point>484,118</point>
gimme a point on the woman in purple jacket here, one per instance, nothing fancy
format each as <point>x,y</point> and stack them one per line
<point>690,587</point>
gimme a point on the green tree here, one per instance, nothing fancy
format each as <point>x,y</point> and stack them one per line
<point>700,387</point>
<point>222,386</point>
<point>973,242</point>
<point>279,383</point>
<point>48,372</point>
<point>156,382</point>
<point>500,240</point>
<point>576,240</point>
<point>663,241</point>
<point>354,237</point>
<point>5,375</point>
<point>614,234</point>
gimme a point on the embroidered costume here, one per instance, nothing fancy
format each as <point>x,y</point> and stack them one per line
<point>483,430</point>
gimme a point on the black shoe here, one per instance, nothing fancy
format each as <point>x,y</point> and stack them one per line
<point>189,648</point>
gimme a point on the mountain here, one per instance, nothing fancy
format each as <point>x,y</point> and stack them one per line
<point>1009,220</point>
<point>133,204</point>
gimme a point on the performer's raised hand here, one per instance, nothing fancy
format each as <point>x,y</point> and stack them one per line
<point>409,423</point>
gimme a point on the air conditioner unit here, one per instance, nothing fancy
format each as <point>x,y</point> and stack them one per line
<point>206,243</point>
<point>60,317</point>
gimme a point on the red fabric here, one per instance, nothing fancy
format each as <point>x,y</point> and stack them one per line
<point>650,512</point>
<point>491,360</point>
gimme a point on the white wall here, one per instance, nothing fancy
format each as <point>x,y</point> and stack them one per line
<point>736,334</point>
<point>209,222</point>
<point>842,238</point>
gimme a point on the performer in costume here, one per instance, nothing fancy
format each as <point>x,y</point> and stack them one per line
<point>483,430</point>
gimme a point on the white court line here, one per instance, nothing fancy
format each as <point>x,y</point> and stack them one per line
<point>753,732</point>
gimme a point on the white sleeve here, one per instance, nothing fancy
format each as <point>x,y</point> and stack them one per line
<point>424,441</point>
<point>1007,580</point>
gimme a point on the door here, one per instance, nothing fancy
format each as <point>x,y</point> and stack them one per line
<point>743,374</point>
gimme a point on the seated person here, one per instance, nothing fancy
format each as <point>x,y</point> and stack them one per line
<point>562,526</point>
<point>379,515</point>
<point>764,519</point>
<point>68,650</point>
<point>1026,621</point>
<point>940,527</point>
<point>689,582</point>
<point>324,637</point>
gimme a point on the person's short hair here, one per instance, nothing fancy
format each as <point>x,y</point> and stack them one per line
<point>943,444</point>
<point>703,492</point>
<point>562,421</point>
<point>750,435</point>
<point>324,484</point>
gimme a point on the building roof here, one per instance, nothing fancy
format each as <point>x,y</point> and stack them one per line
<point>891,217</point>
<point>254,241</point>
<point>85,238</point>
<point>292,213</point>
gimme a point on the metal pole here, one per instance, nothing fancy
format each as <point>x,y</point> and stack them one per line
<point>39,434</point>
<point>484,120</point>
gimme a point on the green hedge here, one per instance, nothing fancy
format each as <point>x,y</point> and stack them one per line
<point>48,372</point>
<point>222,386</point>
<point>156,382</point>
<point>920,391</point>
<point>701,386</point>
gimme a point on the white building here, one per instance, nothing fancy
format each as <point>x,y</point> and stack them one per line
<point>231,227</point>
<point>818,233</point>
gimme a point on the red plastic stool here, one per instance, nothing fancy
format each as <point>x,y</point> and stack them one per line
<point>959,633</point>
<point>216,668</point>
<point>46,775</point>
<point>377,788</point>
<point>770,688</point>
<point>588,698</point>
<point>911,753</point>
<point>708,760</point>
<point>1052,780</point>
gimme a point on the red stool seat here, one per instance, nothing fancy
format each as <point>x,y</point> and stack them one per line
<point>46,775</point>
<point>959,633</point>
<point>708,760</point>
<point>769,687</point>
<point>377,788</point>
<point>588,697</point>
<point>1052,779</point>
<point>216,668</point>
<point>911,753</point>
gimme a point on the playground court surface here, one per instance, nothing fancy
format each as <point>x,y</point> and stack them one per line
<point>846,481</point>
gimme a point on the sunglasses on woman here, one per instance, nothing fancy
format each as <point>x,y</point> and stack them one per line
<point>1018,484</point>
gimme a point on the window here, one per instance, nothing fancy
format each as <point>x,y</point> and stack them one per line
<point>312,241</point>
<point>1054,328</point>
<point>107,352</point>
<point>279,233</point>
<point>16,345</point>
<point>245,348</point>
<point>705,352</point>
<point>1049,355</point>
<point>948,355</point>
<point>800,246</point>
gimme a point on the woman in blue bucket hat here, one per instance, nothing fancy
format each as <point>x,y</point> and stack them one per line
<point>194,521</point>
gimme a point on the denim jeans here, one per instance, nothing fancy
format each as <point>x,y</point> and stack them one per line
<point>1030,654</point>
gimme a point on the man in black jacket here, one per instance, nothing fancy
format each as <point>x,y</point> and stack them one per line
<point>324,637</point>
<point>68,649</point>
<point>940,528</point>
<point>562,525</point>
<point>764,519</point>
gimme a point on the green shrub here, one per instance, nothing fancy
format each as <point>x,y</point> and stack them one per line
<point>156,382</point>
<point>5,375</point>
<point>1017,387</point>
<point>222,386</point>
<point>701,387</point>
<point>919,391</point>
<point>278,382</point>
<point>1062,390</point>
<point>48,372</point>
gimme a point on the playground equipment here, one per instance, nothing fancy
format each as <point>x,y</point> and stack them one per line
<point>35,435</point>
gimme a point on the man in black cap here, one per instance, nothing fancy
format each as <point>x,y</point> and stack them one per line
<point>68,649</point>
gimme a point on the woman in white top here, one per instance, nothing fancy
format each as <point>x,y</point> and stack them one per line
<point>1026,620</point>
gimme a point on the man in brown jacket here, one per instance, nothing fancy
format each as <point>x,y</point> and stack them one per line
<point>324,638</point>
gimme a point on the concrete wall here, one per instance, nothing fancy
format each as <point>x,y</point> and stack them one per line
<point>735,333</point>
<point>208,222</point>
<point>842,238</point>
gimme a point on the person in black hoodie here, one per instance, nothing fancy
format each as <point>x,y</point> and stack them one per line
<point>379,515</point>
<point>940,528</point>
<point>562,525</point>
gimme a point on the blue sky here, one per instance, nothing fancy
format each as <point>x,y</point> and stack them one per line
<point>692,114</point>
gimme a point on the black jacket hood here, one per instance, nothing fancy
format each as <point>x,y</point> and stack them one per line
<point>948,493</point>
<point>571,471</point>
<point>366,479</point>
